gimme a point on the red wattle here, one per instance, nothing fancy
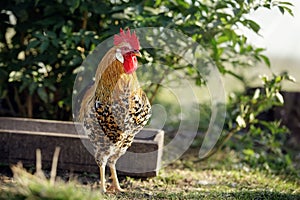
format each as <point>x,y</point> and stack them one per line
<point>130,63</point>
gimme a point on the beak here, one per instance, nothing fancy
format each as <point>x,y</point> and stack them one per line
<point>137,53</point>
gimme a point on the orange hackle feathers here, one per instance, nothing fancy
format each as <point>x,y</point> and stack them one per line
<point>126,36</point>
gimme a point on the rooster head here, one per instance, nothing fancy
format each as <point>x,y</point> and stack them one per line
<point>128,47</point>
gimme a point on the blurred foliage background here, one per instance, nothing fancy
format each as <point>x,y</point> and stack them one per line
<point>43,43</point>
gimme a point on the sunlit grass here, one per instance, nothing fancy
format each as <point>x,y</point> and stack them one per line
<point>221,177</point>
<point>228,180</point>
<point>28,186</point>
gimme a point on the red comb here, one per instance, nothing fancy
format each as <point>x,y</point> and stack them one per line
<point>126,36</point>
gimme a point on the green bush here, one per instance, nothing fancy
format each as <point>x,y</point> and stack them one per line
<point>43,42</point>
<point>260,141</point>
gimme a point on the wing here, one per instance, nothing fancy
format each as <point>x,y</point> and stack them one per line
<point>108,121</point>
<point>140,109</point>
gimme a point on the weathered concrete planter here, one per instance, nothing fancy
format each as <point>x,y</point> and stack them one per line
<point>20,137</point>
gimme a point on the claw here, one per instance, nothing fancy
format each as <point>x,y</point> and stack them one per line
<point>102,190</point>
<point>113,188</point>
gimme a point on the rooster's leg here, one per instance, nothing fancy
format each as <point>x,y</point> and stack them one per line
<point>115,182</point>
<point>102,179</point>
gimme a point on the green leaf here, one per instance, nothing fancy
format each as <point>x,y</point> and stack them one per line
<point>36,2</point>
<point>288,159</point>
<point>287,9</point>
<point>39,35</point>
<point>267,5</point>
<point>278,79</point>
<point>32,44</point>
<point>248,152</point>
<point>281,9</point>
<point>49,84</point>
<point>3,92</point>
<point>182,4</point>
<point>222,39</point>
<point>285,3</point>
<point>258,50</point>
<point>44,46</point>
<point>157,3</point>
<point>42,94</point>
<point>51,34</point>
<point>266,60</point>
<point>60,104</point>
<point>253,25</point>
<point>55,43</point>
<point>74,5</point>
<point>3,75</point>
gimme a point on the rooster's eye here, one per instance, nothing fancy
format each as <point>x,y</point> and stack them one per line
<point>125,48</point>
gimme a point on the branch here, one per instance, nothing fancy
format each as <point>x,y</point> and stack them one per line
<point>154,93</point>
<point>29,106</point>
<point>85,20</point>
<point>84,24</point>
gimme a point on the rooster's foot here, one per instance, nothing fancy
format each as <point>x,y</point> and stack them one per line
<point>113,188</point>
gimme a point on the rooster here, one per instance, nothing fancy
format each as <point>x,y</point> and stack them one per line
<point>114,109</point>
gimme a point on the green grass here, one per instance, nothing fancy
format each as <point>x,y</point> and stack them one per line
<point>28,186</point>
<point>222,177</point>
<point>214,184</point>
